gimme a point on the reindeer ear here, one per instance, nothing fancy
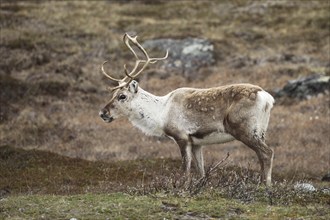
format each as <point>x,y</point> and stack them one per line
<point>133,86</point>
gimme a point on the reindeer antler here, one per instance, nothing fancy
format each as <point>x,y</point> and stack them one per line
<point>134,72</point>
<point>107,75</point>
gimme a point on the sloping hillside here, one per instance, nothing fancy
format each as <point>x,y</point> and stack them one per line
<point>52,89</point>
<point>58,159</point>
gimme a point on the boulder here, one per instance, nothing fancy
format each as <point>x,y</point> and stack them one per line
<point>304,187</point>
<point>325,190</point>
<point>305,87</point>
<point>326,178</point>
<point>186,56</point>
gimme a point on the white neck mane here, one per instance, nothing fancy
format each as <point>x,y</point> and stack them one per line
<point>149,112</point>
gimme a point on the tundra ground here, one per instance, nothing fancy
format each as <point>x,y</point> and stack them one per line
<point>56,151</point>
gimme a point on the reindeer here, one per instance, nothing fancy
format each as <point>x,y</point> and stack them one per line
<point>194,117</point>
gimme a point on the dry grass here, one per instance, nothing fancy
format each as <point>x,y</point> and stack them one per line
<point>34,172</point>
<point>39,172</point>
<point>51,88</point>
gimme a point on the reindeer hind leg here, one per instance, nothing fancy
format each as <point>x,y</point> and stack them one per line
<point>265,155</point>
<point>254,139</point>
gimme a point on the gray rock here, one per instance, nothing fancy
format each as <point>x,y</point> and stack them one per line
<point>305,87</point>
<point>186,56</point>
<point>326,177</point>
<point>325,190</point>
<point>305,187</point>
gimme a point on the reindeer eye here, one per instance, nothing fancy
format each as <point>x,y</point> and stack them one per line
<point>121,97</point>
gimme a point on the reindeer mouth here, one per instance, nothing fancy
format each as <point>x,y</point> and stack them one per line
<point>106,117</point>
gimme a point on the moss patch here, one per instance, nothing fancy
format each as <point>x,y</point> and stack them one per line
<point>123,206</point>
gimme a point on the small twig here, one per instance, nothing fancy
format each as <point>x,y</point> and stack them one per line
<point>143,175</point>
<point>201,182</point>
<point>218,164</point>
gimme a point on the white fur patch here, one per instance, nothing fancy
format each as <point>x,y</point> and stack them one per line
<point>265,102</point>
<point>150,113</point>
<point>265,97</point>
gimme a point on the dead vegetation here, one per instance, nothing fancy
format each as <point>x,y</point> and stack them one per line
<point>37,172</point>
<point>52,89</point>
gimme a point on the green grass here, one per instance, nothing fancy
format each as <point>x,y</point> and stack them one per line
<point>123,206</point>
<point>36,184</point>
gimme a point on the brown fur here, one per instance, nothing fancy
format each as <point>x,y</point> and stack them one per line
<point>211,106</point>
<point>206,100</point>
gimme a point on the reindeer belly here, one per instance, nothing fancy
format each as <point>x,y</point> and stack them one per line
<point>212,138</point>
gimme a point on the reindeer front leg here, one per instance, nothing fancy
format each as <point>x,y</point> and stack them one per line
<point>198,156</point>
<point>186,154</point>
<point>185,144</point>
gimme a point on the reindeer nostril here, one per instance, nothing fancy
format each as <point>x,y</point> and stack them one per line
<point>103,112</point>
<point>105,115</point>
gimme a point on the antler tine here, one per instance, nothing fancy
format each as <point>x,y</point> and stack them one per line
<point>136,43</point>
<point>126,41</point>
<point>122,82</point>
<point>134,40</point>
<point>150,60</point>
<point>116,87</point>
<point>127,73</point>
<point>128,38</point>
<point>107,75</point>
<point>154,60</point>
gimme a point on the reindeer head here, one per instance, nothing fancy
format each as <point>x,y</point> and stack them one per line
<point>127,89</point>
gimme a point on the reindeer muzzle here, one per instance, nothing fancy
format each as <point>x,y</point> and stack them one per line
<point>104,114</point>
